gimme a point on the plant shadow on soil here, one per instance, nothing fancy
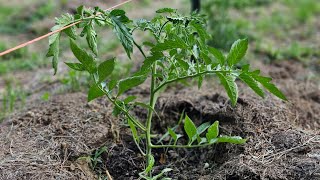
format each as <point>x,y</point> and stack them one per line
<point>50,139</point>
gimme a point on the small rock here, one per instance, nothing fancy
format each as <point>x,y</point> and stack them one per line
<point>206,165</point>
<point>29,114</point>
<point>72,167</point>
<point>173,154</point>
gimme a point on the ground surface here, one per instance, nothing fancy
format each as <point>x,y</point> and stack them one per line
<point>56,137</point>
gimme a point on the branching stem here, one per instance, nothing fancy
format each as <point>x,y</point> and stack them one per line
<point>126,113</point>
<point>136,122</point>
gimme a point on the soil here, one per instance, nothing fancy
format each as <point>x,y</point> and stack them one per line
<point>55,139</point>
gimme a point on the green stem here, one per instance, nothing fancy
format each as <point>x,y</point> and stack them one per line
<point>91,18</point>
<point>162,28</point>
<point>138,146</point>
<point>180,146</point>
<point>135,122</point>
<point>140,48</point>
<point>189,76</point>
<point>153,99</point>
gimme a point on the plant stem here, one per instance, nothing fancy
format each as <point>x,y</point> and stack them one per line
<point>162,28</point>
<point>153,99</point>
<point>140,49</point>
<point>136,122</point>
<point>181,146</point>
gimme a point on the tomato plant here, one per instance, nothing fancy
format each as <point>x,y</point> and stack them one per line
<point>178,52</point>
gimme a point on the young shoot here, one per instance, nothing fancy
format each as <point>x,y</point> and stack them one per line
<point>178,52</point>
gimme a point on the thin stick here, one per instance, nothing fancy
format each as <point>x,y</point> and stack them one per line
<point>53,32</point>
<point>108,175</point>
<point>36,39</point>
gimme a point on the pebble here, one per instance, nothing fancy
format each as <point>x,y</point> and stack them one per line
<point>206,165</point>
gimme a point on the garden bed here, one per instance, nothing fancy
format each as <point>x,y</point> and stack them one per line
<point>54,139</point>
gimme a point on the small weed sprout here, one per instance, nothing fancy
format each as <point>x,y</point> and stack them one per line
<point>13,97</point>
<point>179,52</point>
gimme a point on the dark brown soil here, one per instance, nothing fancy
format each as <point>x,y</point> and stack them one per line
<point>53,140</point>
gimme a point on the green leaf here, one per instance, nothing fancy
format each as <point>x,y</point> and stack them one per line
<point>123,35</point>
<point>130,82</point>
<point>147,106</point>
<point>105,69</point>
<point>129,99</point>
<point>71,32</point>
<point>94,92</point>
<point>84,30</point>
<point>166,10</point>
<point>183,64</point>
<point>100,22</point>
<point>205,58</point>
<point>86,59</point>
<point>169,44</point>
<point>80,10</point>
<point>150,164</point>
<point>230,85</point>
<point>120,14</point>
<point>55,57</point>
<point>203,127</point>
<point>117,12</point>
<point>218,55</point>
<point>76,66</point>
<point>213,141</point>
<point>116,111</point>
<point>176,20</point>
<point>202,140</point>
<point>173,134</point>
<point>197,137</point>
<point>143,24</point>
<point>92,38</point>
<point>266,82</point>
<point>148,62</point>
<point>237,51</point>
<point>54,62</point>
<point>54,42</point>
<point>147,43</point>
<point>201,31</point>
<point>213,131</point>
<point>134,131</point>
<point>252,83</point>
<point>190,128</point>
<point>65,19</point>
<point>112,84</point>
<point>231,139</point>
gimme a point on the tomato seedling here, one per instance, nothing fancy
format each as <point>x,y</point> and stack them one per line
<point>178,52</point>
